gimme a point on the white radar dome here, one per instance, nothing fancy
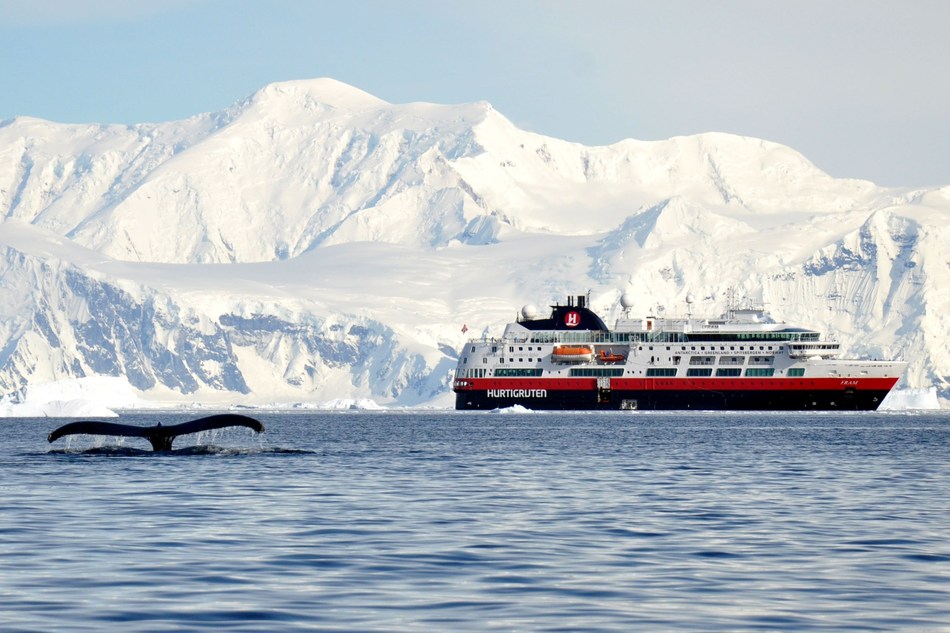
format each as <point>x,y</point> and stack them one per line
<point>626,300</point>
<point>529,311</point>
<point>690,298</point>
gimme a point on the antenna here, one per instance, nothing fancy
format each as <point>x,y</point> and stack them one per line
<point>731,301</point>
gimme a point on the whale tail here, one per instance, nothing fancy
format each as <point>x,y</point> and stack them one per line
<point>160,437</point>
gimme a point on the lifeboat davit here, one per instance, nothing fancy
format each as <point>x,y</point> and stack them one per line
<point>572,354</point>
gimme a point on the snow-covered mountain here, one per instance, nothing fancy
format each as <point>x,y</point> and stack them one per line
<point>314,242</point>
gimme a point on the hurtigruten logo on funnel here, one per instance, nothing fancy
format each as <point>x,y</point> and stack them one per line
<point>572,318</point>
<point>517,393</point>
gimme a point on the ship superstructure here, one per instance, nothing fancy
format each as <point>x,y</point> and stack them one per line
<point>742,360</point>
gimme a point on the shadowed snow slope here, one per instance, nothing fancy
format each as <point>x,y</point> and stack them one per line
<point>314,242</point>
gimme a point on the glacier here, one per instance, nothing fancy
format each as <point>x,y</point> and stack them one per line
<point>315,244</point>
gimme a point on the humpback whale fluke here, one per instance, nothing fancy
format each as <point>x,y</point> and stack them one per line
<point>161,437</point>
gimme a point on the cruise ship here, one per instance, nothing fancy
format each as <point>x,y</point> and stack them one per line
<point>742,360</point>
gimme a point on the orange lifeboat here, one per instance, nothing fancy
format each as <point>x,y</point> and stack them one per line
<point>572,354</point>
<point>606,357</point>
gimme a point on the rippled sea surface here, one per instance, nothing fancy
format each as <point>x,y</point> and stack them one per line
<point>447,521</point>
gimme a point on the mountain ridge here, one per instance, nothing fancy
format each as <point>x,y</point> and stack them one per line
<point>364,234</point>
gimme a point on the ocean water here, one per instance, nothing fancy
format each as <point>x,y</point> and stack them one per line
<point>368,521</point>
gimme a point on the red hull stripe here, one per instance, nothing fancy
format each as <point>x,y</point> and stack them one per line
<point>678,384</point>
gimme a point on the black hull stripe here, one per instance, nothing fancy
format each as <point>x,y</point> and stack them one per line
<point>652,400</point>
<point>679,385</point>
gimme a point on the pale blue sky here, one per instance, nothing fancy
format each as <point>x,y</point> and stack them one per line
<point>861,87</point>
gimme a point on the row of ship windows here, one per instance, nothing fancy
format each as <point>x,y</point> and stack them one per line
<point>702,348</point>
<point>712,348</point>
<point>582,372</point>
<point>693,360</point>
<point>757,372</point>
<point>668,337</point>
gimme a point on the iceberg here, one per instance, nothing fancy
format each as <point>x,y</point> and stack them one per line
<point>93,397</point>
